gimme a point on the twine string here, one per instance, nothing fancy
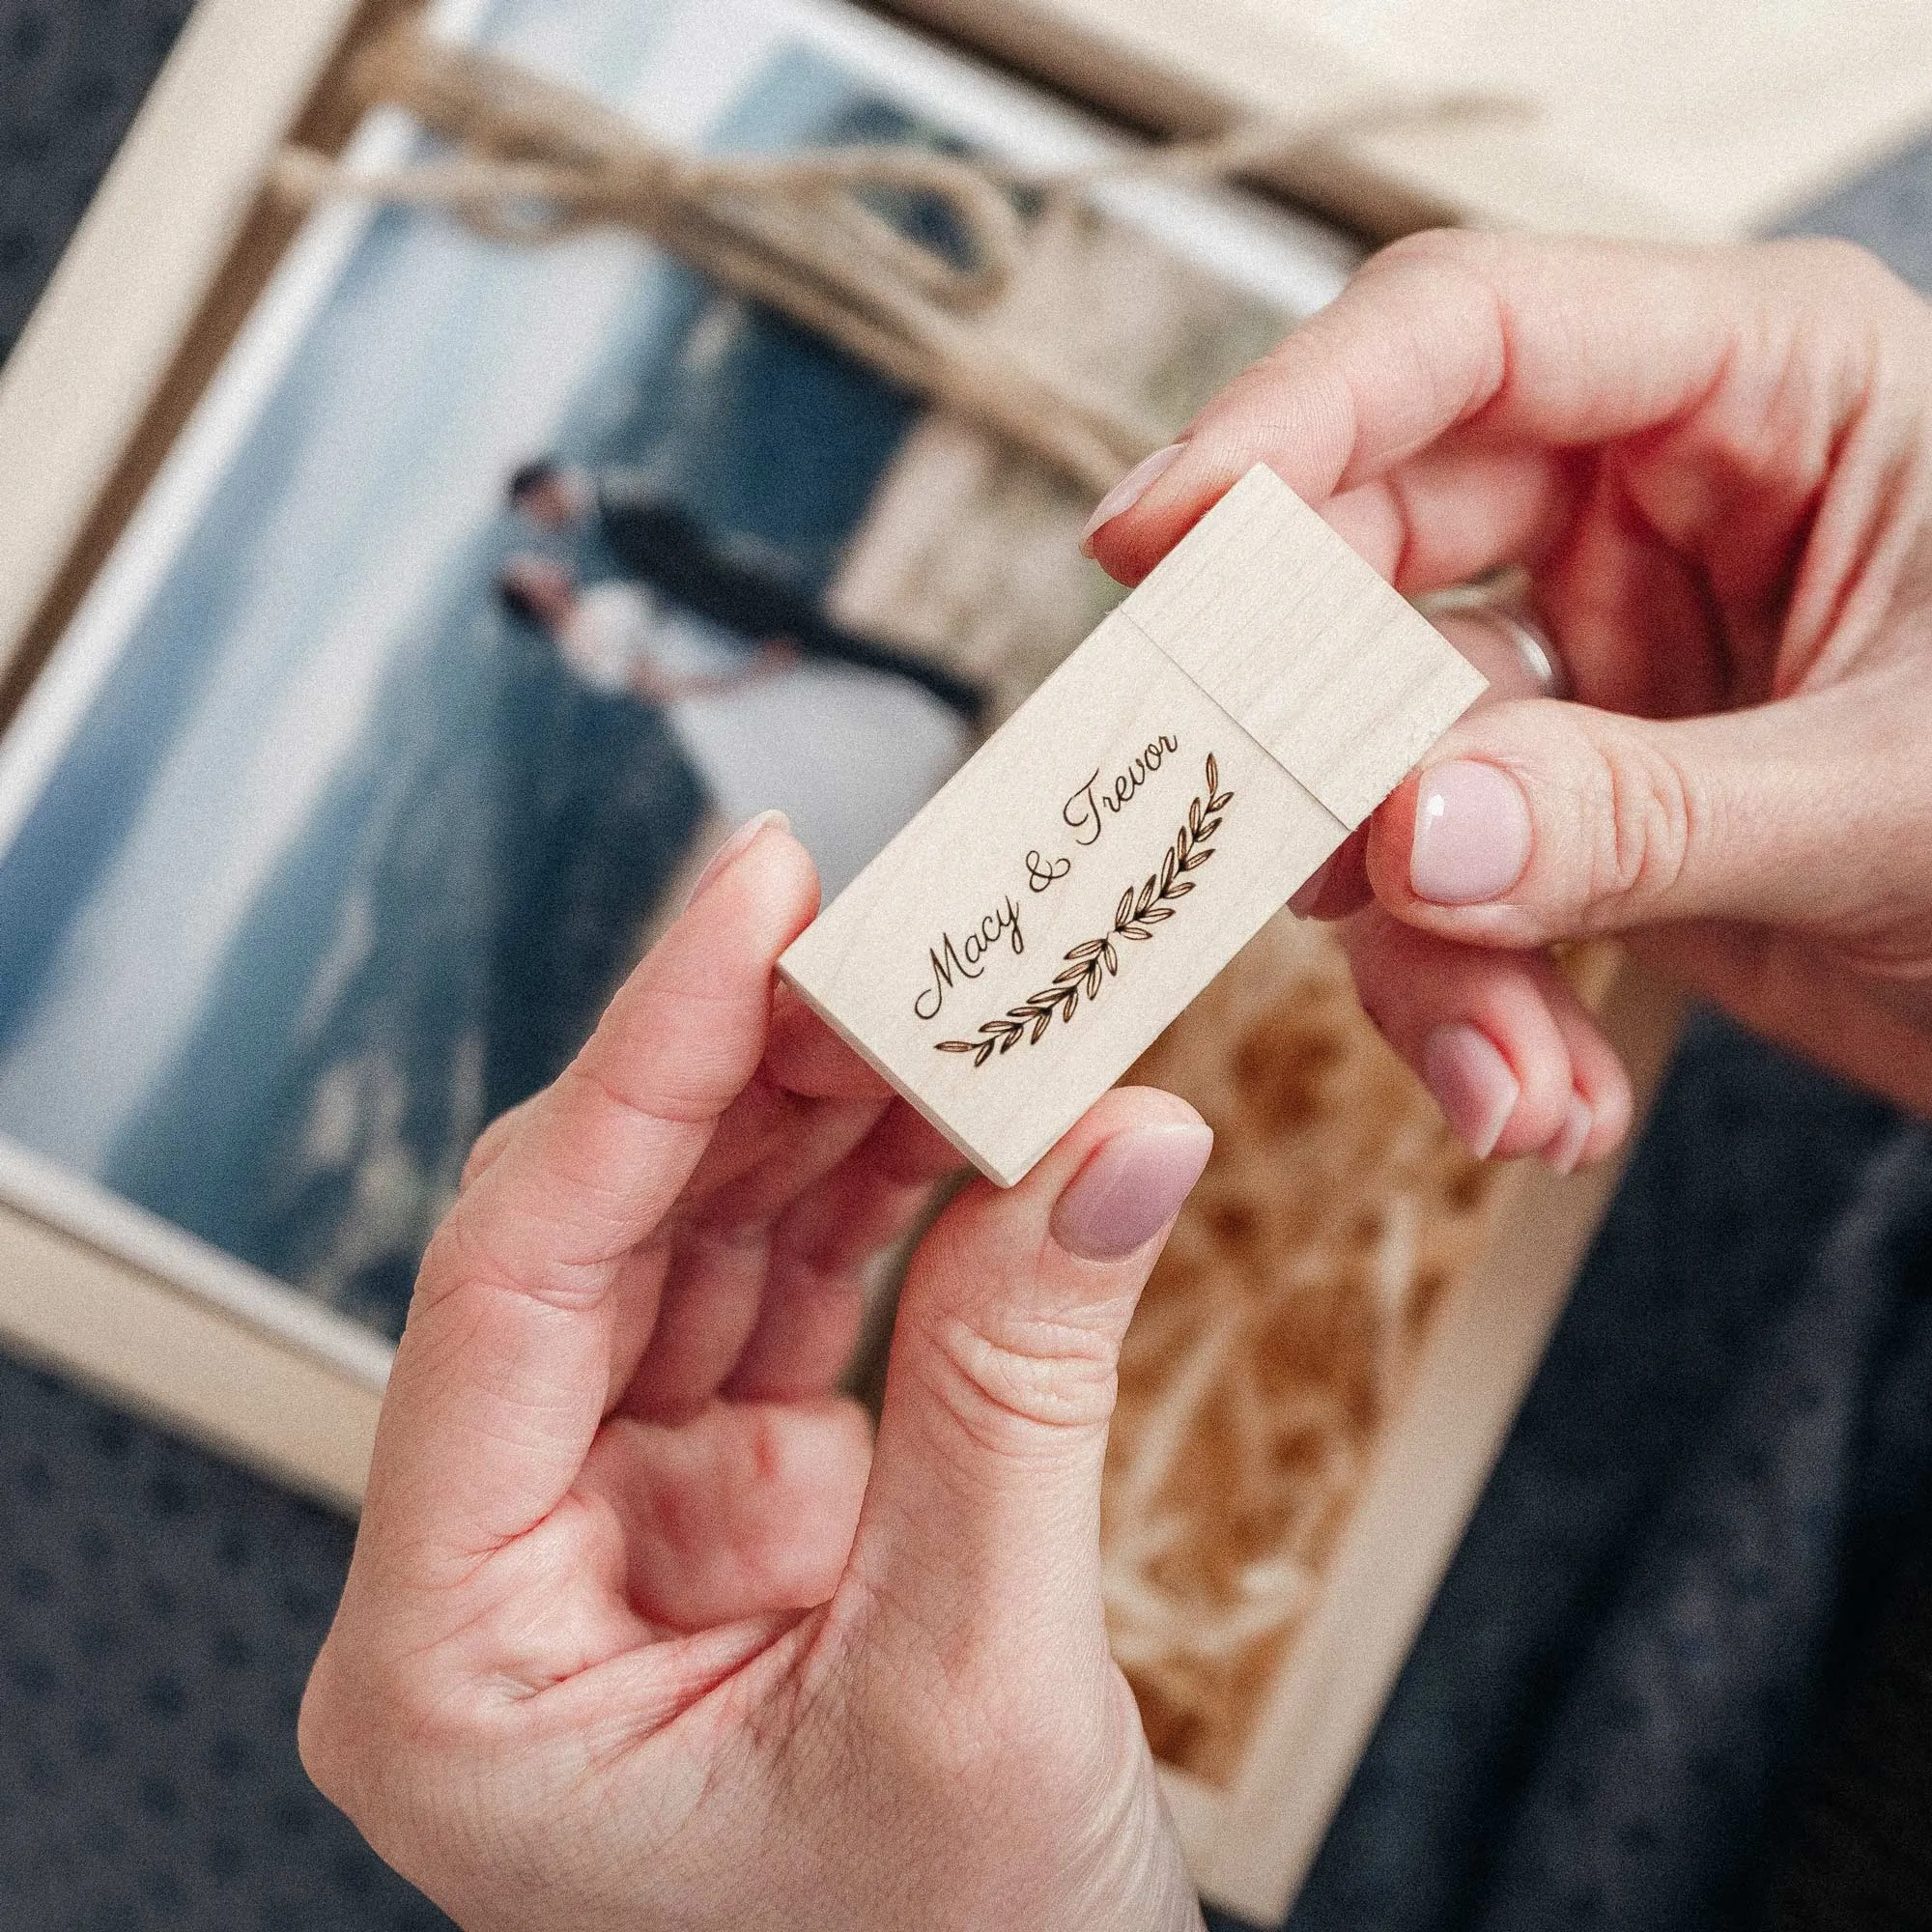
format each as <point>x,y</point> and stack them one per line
<point>534,161</point>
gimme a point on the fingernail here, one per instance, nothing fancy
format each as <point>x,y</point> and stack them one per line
<point>738,842</point>
<point>1566,1150</point>
<point>1130,1190</point>
<point>1129,490</point>
<point>1472,1084</point>
<point>1472,833</point>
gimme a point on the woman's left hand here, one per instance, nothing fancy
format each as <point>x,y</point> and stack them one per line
<point>641,1630</point>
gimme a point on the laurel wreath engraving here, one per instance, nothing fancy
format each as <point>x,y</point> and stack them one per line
<point>1091,963</point>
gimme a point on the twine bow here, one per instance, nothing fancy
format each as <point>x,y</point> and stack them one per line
<point>536,160</point>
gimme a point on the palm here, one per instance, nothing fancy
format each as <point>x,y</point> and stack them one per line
<point>693,1508</point>
<point>722,1480</point>
<point>745,1511</point>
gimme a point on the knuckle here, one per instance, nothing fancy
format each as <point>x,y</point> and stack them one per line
<point>1646,820</point>
<point>1434,248</point>
<point>362,1735</point>
<point>345,1741</point>
<point>471,1252</point>
<point>322,1739</point>
<point>1828,259</point>
<point>1033,1371</point>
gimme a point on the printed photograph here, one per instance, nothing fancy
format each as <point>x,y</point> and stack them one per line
<point>491,584</point>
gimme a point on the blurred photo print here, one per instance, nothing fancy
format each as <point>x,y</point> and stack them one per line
<point>490,586</point>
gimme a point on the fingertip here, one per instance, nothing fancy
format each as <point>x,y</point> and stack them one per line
<point>1613,1122</point>
<point>758,893</point>
<point>1576,1106</point>
<point>1472,835</point>
<point>1027,1209</point>
<point>1454,849</point>
<point>1454,835</point>
<point>806,1056</point>
<point>1612,1110</point>
<point>1534,1048</point>
<point>1129,491</point>
<point>733,848</point>
<point>776,871</point>
<point>1131,1185</point>
<point>1601,1084</point>
<point>1121,1110</point>
<point>1481,1029</point>
<point>1472,1083</point>
<point>1133,538</point>
<point>1565,1147</point>
<point>691,1021</point>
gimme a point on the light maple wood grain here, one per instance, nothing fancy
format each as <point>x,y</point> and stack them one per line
<point>877,963</point>
<point>1291,632</point>
<point>1131,827</point>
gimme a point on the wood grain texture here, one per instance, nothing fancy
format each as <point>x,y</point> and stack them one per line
<point>1290,631</point>
<point>1094,866</point>
<point>163,240</point>
<point>952,930</point>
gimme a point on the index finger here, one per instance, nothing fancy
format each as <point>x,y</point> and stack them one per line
<point>1540,345</point>
<point>500,1379</point>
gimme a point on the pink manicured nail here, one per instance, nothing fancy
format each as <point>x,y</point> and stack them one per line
<point>1472,833</point>
<point>1566,1150</point>
<point>1129,490</point>
<point>739,841</point>
<point>1472,1084</point>
<point>1130,1190</point>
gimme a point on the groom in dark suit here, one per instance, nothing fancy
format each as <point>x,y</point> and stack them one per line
<point>657,541</point>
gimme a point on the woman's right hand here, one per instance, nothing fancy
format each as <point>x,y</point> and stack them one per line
<point>1716,466</point>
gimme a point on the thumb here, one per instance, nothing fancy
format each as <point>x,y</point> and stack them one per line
<point>1536,821</point>
<point>984,1508</point>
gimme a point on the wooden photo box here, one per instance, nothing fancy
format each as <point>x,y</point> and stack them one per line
<point>1332,1349</point>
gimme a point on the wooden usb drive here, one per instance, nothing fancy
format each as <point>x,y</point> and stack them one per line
<point>1006,957</point>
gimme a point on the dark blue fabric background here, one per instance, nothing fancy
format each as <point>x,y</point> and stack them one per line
<point>1611,1712</point>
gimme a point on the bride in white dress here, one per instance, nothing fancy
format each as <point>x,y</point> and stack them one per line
<point>847,754</point>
